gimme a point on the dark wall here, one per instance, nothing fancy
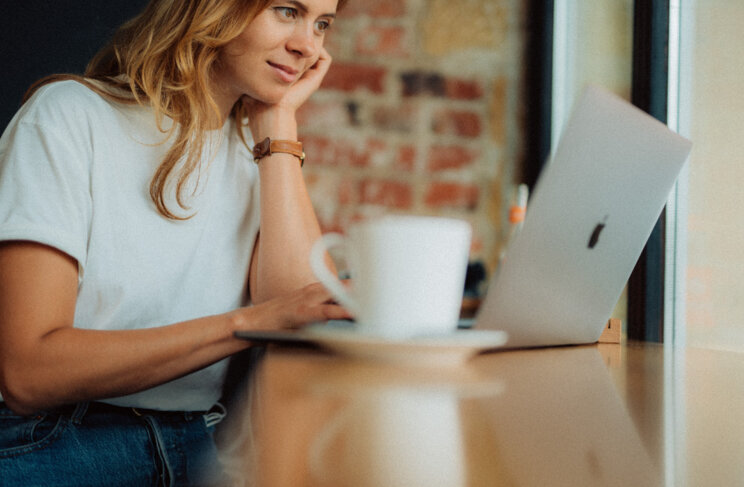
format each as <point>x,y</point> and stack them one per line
<point>40,37</point>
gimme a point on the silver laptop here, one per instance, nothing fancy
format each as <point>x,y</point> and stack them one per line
<point>592,211</point>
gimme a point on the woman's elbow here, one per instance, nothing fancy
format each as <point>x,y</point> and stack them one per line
<point>18,391</point>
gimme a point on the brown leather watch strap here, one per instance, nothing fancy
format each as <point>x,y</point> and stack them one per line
<point>267,147</point>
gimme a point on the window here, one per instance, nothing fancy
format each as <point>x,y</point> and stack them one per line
<point>706,259</point>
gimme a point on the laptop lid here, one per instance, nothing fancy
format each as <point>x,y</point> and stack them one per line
<point>592,211</point>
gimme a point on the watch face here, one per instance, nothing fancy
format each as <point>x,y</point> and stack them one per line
<point>262,148</point>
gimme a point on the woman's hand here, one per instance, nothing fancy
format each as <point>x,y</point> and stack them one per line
<point>308,83</point>
<point>310,304</point>
<point>275,119</point>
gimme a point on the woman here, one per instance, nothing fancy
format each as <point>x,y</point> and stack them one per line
<point>134,236</point>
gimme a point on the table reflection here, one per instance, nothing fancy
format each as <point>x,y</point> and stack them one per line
<point>591,415</point>
<point>395,437</point>
<point>562,422</point>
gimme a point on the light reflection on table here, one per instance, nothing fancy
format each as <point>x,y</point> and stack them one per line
<point>635,414</point>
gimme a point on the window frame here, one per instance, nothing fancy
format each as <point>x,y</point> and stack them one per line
<point>653,288</point>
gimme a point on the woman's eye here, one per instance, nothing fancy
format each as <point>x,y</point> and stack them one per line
<point>286,12</point>
<point>322,25</point>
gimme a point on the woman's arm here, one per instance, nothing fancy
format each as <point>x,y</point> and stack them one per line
<point>289,226</point>
<point>45,362</point>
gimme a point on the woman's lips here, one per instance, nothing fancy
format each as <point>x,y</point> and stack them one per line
<point>285,73</point>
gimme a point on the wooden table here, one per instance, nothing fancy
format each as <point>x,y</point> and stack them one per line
<point>626,415</point>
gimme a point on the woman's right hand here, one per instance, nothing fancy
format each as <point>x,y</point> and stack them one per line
<point>310,304</point>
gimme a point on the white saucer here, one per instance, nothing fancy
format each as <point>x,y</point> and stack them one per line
<point>441,350</point>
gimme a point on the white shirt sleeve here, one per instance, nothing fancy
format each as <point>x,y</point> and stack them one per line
<point>45,181</point>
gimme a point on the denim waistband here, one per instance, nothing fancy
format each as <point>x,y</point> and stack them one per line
<point>105,408</point>
<point>76,412</point>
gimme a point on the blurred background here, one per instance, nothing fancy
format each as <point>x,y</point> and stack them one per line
<point>437,107</point>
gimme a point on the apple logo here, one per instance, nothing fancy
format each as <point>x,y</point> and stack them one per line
<point>594,238</point>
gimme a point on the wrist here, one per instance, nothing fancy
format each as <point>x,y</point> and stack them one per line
<point>276,124</point>
<point>268,147</point>
<point>236,321</point>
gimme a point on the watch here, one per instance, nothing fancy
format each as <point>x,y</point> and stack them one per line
<point>267,147</point>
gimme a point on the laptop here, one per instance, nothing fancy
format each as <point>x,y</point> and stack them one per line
<point>592,211</point>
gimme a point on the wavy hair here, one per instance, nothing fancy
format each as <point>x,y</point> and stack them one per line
<point>165,58</point>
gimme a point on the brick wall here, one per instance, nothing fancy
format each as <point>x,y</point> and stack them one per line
<point>420,114</point>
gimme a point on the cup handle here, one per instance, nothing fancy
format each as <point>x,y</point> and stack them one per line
<point>325,276</point>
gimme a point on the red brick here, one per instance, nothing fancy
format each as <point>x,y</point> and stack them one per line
<point>457,122</point>
<point>401,118</point>
<point>335,221</point>
<point>462,89</point>
<point>334,225</point>
<point>433,83</point>
<point>452,195</point>
<point>326,114</point>
<point>374,8</point>
<point>352,154</point>
<point>388,193</point>
<point>318,150</point>
<point>442,158</point>
<point>311,181</point>
<point>353,77</point>
<point>379,40</point>
<point>375,152</point>
<point>499,111</point>
<point>419,83</point>
<point>346,192</point>
<point>406,158</point>
<point>339,152</point>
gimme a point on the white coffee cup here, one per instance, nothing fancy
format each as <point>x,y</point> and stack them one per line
<point>407,274</point>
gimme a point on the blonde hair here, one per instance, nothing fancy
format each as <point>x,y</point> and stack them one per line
<point>165,57</point>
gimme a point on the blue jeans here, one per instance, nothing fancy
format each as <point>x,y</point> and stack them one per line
<point>100,445</point>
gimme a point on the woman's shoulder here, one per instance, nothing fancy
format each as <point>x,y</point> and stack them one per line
<point>67,92</point>
<point>66,100</point>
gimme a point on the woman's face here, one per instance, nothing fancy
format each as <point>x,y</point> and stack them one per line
<point>274,50</point>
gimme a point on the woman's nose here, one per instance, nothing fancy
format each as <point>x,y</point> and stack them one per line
<point>303,41</point>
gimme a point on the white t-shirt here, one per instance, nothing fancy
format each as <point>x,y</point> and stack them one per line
<point>75,173</point>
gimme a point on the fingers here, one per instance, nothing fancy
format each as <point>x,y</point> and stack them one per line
<point>309,82</point>
<point>320,306</point>
<point>318,71</point>
<point>317,314</point>
<point>335,312</point>
<point>317,292</point>
<point>311,304</point>
<point>323,62</point>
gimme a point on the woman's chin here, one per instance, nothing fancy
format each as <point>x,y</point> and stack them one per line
<point>267,97</point>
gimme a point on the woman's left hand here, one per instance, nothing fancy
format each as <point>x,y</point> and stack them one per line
<point>266,119</point>
<point>308,83</point>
